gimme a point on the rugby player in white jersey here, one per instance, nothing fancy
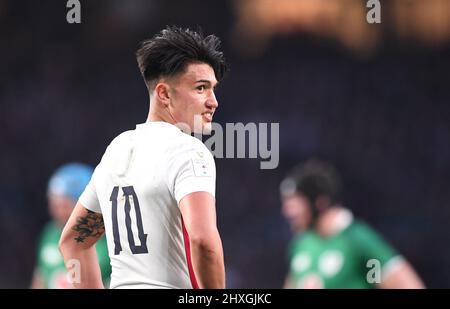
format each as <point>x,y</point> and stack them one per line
<point>153,191</point>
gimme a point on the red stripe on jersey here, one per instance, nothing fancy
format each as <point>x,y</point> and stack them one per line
<point>187,248</point>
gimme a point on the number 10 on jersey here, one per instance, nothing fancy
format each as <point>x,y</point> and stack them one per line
<point>128,193</point>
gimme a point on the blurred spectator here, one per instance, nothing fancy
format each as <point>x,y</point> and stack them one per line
<point>64,188</point>
<point>332,249</point>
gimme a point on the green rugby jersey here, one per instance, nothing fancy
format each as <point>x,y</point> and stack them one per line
<point>337,261</point>
<point>50,264</point>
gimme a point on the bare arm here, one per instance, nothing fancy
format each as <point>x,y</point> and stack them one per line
<point>199,215</point>
<point>402,276</point>
<point>77,245</point>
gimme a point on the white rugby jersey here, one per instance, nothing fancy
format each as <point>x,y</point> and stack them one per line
<point>137,186</point>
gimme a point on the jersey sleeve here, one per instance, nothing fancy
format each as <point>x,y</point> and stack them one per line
<point>191,169</point>
<point>89,198</point>
<point>372,245</point>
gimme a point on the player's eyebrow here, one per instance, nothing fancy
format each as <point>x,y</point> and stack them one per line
<point>207,82</point>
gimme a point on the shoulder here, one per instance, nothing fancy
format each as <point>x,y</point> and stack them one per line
<point>116,146</point>
<point>359,226</point>
<point>187,146</point>
<point>123,137</point>
<point>362,233</point>
<point>187,140</point>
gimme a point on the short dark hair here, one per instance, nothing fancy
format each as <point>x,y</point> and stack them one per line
<point>314,178</point>
<point>170,51</point>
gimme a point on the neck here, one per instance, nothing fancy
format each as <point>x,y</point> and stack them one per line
<point>158,114</point>
<point>156,117</point>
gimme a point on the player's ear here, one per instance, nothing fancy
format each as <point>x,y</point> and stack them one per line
<point>162,93</point>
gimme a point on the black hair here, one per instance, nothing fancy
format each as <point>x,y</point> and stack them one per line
<point>170,51</point>
<point>314,178</point>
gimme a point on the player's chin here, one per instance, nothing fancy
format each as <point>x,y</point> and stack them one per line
<point>207,127</point>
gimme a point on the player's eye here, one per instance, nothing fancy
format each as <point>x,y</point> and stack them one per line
<point>201,88</point>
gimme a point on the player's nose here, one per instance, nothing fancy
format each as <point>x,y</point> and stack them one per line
<point>212,102</point>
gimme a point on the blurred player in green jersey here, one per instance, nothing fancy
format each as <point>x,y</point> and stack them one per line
<point>64,188</point>
<point>330,248</point>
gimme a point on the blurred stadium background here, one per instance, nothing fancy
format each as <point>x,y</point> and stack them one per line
<point>373,99</point>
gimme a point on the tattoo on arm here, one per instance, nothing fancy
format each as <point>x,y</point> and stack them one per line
<point>89,225</point>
